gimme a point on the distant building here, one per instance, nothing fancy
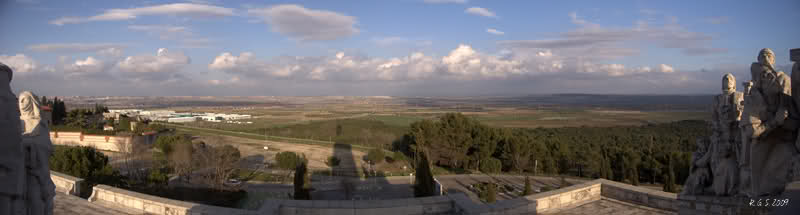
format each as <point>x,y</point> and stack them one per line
<point>108,128</point>
<point>181,119</point>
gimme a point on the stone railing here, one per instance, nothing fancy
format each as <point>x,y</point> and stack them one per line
<point>427,205</point>
<point>67,183</point>
<point>639,195</point>
<point>100,142</point>
<point>458,203</point>
<point>148,204</point>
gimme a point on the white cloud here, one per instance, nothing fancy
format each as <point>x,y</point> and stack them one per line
<point>445,1</point>
<point>164,65</point>
<point>591,40</point>
<point>387,41</point>
<point>462,63</point>
<point>181,34</point>
<point>666,68</point>
<point>305,24</point>
<point>163,31</point>
<point>495,31</point>
<point>19,63</point>
<point>480,12</point>
<point>179,9</point>
<point>91,67</point>
<point>77,47</point>
<point>110,52</point>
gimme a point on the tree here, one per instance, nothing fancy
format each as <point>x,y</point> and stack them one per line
<point>338,130</point>
<point>180,159</point>
<point>223,163</point>
<point>424,185</point>
<point>302,182</point>
<point>491,195</point>
<point>528,189</point>
<point>332,162</point>
<point>78,118</point>
<point>287,160</point>
<point>87,163</point>
<point>376,155</point>
<point>669,178</point>
<point>124,124</point>
<point>491,165</point>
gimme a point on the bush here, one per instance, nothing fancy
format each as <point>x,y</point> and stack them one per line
<point>376,155</point>
<point>87,163</point>
<point>165,143</point>
<point>287,160</point>
<point>491,165</point>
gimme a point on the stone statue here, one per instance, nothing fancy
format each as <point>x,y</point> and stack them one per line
<point>40,189</point>
<point>770,145</point>
<point>726,114</point>
<point>699,171</point>
<point>12,166</point>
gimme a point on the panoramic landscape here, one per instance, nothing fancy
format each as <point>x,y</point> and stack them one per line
<point>399,107</point>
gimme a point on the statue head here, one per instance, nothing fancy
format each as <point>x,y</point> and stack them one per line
<point>28,105</point>
<point>728,83</point>
<point>8,73</point>
<point>766,57</point>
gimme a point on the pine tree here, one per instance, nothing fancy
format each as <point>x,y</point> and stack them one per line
<point>528,189</point>
<point>302,182</point>
<point>669,178</point>
<point>424,178</point>
<point>491,196</point>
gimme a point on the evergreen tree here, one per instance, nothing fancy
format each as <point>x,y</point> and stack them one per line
<point>424,184</point>
<point>302,182</point>
<point>491,195</point>
<point>669,178</point>
<point>528,189</point>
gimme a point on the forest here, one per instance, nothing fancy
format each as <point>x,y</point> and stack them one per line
<point>655,153</point>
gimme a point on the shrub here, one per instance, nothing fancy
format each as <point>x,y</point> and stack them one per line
<point>87,163</point>
<point>376,155</point>
<point>287,160</point>
<point>491,165</point>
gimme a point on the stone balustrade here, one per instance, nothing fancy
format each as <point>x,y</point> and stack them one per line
<point>458,203</point>
<point>639,195</point>
<point>67,183</point>
<point>149,204</point>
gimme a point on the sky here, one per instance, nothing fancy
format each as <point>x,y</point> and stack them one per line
<point>388,47</point>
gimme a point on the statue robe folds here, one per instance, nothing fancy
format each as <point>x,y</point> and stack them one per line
<point>40,189</point>
<point>771,155</point>
<point>12,166</point>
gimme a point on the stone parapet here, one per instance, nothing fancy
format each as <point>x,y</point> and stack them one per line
<point>67,183</point>
<point>639,195</point>
<point>148,204</point>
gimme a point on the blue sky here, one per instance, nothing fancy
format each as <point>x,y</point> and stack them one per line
<point>388,47</point>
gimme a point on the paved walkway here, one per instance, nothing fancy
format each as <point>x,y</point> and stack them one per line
<point>64,204</point>
<point>607,206</point>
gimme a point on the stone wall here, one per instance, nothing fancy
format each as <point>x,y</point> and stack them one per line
<point>148,204</point>
<point>458,203</point>
<point>100,142</point>
<point>718,205</point>
<point>427,205</point>
<point>639,195</point>
<point>66,183</point>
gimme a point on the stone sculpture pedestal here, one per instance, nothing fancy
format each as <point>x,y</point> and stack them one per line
<point>707,204</point>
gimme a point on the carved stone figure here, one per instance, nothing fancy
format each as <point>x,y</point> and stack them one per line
<point>726,114</point>
<point>699,172</point>
<point>770,155</point>
<point>37,148</point>
<point>12,164</point>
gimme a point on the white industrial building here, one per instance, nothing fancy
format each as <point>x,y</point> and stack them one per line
<point>181,119</point>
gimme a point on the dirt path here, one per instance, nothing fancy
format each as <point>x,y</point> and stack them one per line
<point>253,152</point>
